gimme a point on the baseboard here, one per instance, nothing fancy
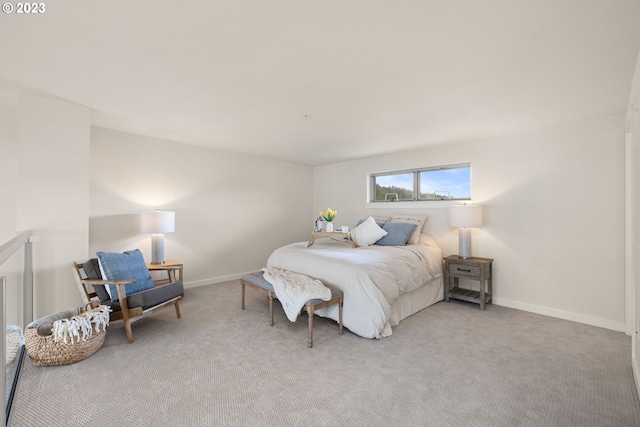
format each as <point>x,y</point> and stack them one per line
<point>561,314</point>
<point>214,280</point>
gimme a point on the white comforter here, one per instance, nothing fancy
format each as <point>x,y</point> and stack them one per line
<point>371,277</point>
<point>294,289</point>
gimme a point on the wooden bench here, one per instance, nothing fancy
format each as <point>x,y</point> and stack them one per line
<point>258,282</point>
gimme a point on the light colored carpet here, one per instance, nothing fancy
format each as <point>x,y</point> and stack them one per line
<point>449,365</point>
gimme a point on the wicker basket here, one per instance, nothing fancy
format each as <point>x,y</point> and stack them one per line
<point>43,350</point>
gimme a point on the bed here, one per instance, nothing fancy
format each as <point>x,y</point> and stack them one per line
<point>382,285</point>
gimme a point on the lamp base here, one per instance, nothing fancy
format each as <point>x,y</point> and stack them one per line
<point>157,249</point>
<point>464,242</point>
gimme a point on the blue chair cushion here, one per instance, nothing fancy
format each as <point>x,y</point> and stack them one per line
<point>151,297</point>
<point>128,265</point>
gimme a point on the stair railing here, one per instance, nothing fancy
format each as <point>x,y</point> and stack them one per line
<point>6,251</point>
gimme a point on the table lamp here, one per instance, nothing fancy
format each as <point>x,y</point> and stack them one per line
<point>465,217</point>
<point>157,223</point>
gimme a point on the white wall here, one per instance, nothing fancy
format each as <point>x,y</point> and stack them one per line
<point>633,226</point>
<point>53,194</point>
<point>553,216</point>
<point>8,154</point>
<point>8,177</point>
<point>45,189</point>
<point>232,210</point>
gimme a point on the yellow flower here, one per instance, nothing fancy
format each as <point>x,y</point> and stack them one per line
<point>329,215</point>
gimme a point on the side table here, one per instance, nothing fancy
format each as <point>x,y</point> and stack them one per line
<point>473,268</point>
<point>171,267</point>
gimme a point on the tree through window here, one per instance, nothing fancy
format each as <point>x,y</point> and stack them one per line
<point>451,182</point>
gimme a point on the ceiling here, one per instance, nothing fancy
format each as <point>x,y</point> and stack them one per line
<point>317,82</point>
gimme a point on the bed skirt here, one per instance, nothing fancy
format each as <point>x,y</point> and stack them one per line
<point>416,300</point>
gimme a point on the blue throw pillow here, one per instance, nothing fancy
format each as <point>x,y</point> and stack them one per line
<point>398,233</point>
<point>128,265</point>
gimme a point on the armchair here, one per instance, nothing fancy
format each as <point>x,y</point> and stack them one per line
<point>126,287</point>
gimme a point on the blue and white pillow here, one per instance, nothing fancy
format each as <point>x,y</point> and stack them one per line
<point>128,265</point>
<point>419,220</point>
<point>398,233</point>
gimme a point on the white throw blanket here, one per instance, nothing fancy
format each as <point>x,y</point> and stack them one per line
<point>295,289</point>
<point>81,327</point>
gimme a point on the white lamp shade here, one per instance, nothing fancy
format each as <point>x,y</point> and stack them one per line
<point>158,222</point>
<point>465,216</point>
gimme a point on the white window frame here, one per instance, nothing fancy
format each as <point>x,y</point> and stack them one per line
<point>415,200</point>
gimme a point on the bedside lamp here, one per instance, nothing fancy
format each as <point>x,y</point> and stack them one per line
<point>157,223</point>
<point>465,217</point>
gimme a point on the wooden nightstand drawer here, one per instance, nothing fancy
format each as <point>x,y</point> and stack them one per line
<point>464,270</point>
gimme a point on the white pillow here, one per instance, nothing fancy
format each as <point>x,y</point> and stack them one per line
<point>367,233</point>
<point>419,220</point>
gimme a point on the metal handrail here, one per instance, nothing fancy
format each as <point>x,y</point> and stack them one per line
<point>6,251</point>
<point>13,245</point>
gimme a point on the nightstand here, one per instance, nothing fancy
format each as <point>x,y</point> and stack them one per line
<point>171,267</point>
<point>468,268</point>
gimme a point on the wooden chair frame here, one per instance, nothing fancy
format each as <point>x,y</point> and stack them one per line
<point>125,314</point>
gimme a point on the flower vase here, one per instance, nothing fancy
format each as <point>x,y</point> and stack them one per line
<point>328,227</point>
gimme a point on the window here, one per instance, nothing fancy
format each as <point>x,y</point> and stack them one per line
<point>451,182</point>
